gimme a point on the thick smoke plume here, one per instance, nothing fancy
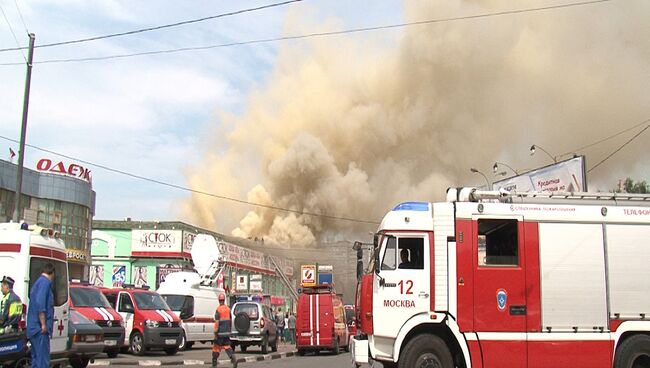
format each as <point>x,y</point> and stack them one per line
<point>351,125</point>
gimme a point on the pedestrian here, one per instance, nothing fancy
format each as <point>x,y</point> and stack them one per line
<point>286,323</point>
<point>11,307</point>
<point>40,317</point>
<point>222,329</point>
<point>279,322</point>
<point>291,326</point>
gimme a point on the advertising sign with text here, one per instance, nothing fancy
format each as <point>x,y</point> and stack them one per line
<point>564,176</point>
<point>156,243</point>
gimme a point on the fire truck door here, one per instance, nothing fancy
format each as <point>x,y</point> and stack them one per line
<point>499,290</point>
<point>402,288</point>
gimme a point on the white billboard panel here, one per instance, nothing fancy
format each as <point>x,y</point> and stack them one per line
<point>564,176</point>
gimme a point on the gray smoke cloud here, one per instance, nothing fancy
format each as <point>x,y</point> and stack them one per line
<point>351,125</point>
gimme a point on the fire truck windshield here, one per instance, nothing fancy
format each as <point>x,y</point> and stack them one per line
<point>88,297</point>
<point>150,301</point>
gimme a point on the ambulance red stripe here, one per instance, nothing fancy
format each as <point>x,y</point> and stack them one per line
<point>10,248</point>
<point>50,253</point>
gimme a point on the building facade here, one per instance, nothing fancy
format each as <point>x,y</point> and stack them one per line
<point>145,252</point>
<point>52,197</point>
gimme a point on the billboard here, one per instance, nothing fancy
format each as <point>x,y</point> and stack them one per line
<point>564,176</point>
<point>159,243</point>
<point>119,276</point>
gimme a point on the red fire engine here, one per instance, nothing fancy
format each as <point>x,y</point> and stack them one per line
<point>498,279</point>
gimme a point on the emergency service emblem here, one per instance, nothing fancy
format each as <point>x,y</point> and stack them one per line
<point>502,299</point>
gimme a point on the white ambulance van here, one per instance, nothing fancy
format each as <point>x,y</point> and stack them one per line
<point>23,253</point>
<point>193,303</point>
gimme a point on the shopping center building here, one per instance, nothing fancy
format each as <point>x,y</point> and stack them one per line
<point>145,252</point>
<point>57,195</point>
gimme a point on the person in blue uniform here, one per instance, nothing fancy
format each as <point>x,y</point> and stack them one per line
<point>40,317</point>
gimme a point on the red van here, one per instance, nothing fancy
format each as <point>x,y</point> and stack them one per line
<point>320,321</point>
<point>92,304</point>
<point>149,322</point>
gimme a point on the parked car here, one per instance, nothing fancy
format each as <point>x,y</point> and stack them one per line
<point>89,301</point>
<point>320,321</point>
<point>149,322</point>
<point>253,325</point>
<point>85,339</point>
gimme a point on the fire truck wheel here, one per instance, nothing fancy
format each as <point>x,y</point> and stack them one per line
<point>301,352</point>
<point>112,353</point>
<point>633,352</point>
<point>136,344</point>
<point>425,351</point>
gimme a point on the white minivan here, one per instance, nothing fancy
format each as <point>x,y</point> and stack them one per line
<point>194,304</point>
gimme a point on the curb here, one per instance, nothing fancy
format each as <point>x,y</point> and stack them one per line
<point>151,363</point>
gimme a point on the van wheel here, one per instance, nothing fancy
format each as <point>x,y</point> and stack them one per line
<point>171,351</point>
<point>265,345</point>
<point>112,353</point>
<point>79,362</point>
<point>136,344</point>
<point>425,351</point>
<point>183,345</point>
<point>633,353</point>
<point>337,347</point>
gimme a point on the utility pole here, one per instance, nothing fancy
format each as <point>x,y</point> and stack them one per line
<point>23,129</point>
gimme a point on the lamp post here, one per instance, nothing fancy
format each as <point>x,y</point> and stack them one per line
<point>495,167</point>
<point>534,147</point>
<point>489,186</point>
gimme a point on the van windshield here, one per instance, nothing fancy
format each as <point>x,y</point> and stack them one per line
<point>177,302</point>
<point>149,301</point>
<point>88,297</point>
<point>249,308</point>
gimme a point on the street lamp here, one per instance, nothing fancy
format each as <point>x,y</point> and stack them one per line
<point>495,167</point>
<point>489,186</point>
<point>534,146</point>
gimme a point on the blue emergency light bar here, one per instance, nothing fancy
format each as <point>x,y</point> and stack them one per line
<point>412,206</point>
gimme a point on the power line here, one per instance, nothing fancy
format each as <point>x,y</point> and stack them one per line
<point>12,32</point>
<point>149,29</point>
<point>315,34</point>
<point>176,186</point>
<point>21,17</point>
<point>619,148</point>
<point>607,138</point>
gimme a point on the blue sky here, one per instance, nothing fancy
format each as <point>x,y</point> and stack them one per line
<point>145,115</point>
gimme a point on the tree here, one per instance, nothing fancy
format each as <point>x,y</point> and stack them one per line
<point>630,186</point>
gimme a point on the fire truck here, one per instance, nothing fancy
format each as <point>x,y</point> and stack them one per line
<point>499,279</point>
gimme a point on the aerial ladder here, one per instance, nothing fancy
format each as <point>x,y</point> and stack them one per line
<point>284,278</point>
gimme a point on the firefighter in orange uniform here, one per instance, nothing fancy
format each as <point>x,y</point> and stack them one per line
<point>222,329</point>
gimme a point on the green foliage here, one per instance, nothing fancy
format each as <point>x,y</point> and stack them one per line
<point>630,186</point>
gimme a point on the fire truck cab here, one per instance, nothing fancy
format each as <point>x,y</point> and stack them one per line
<point>498,279</point>
<point>23,253</point>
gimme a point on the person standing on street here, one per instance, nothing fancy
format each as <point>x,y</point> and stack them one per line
<point>279,322</point>
<point>222,329</point>
<point>11,307</point>
<point>40,317</point>
<point>291,326</point>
